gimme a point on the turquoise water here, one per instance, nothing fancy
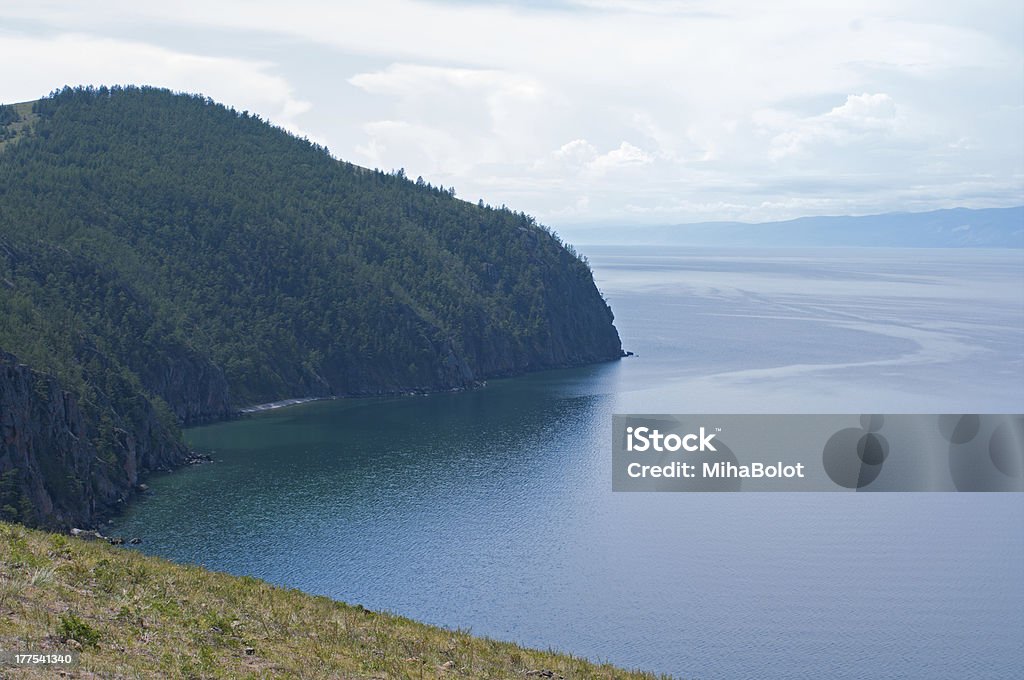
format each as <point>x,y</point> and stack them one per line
<point>492,510</point>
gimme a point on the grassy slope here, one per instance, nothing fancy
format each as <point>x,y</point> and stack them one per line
<point>154,618</point>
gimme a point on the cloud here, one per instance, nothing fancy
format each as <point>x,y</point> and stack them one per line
<point>580,157</point>
<point>624,156</point>
<point>576,154</point>
<point>449,121</point>
<point>421,149</point>
<point>864,112</point>
<point>419,80</point>
<point>474,100</point>
<point>860,118</point>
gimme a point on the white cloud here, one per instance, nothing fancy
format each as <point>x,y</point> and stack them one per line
<point>581,158</point>
<point>625,155</point>
<point>418,80</point>
<point>860,118</point>
<point>576,154</point>
<point>461,117</point>
<point>420,149</point>
<point>864,112</point>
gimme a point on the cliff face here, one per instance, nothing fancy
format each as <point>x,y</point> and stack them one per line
<point>61,465</point>
<point>192,386</point>
<point>170,260</point>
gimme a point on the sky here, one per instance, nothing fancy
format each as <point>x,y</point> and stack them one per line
<point>591,111</point>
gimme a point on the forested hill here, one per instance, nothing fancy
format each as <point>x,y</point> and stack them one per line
<point>167,258</point>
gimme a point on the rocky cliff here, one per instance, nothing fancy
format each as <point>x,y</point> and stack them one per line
<point>64,464</point>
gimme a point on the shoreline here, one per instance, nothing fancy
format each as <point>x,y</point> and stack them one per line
<point>476,385</point>
<point>273,405</point>
<point>104,517</point>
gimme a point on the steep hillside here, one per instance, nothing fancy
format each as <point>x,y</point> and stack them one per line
<point>163,253</point>
<point>133,616</point>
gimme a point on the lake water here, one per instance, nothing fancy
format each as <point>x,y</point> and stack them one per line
<point>492,510</point>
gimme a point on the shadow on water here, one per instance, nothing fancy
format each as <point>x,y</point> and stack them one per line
<point>346,483</point>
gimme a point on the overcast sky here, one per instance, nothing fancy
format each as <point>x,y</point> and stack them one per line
<point>581,111</point>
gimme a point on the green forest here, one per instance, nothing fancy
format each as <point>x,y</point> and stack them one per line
<point>170,259</point>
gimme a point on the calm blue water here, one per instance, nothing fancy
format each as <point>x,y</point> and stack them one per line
<point>492,510</point>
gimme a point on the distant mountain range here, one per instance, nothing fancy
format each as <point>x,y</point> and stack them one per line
<point>953,228</point>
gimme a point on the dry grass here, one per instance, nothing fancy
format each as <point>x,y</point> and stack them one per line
<point>143,617</point>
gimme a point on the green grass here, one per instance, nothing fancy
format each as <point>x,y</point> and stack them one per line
<point>135,616</point>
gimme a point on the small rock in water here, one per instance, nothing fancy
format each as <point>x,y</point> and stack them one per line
<point>135,541</point>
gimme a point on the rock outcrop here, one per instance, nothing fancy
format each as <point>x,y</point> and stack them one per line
<point>62,464</point>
